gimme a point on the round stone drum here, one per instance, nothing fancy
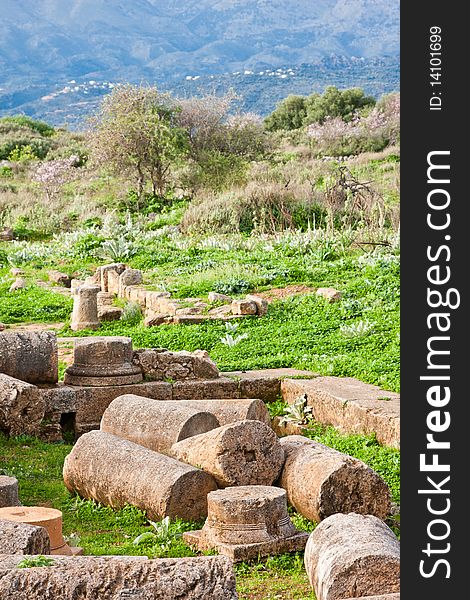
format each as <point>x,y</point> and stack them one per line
<point>103,361</point>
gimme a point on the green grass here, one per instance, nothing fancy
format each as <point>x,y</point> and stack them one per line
<point>33,304</point>
<point>301,332</point>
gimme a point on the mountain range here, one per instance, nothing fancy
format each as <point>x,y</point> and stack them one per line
<point>44,42</point>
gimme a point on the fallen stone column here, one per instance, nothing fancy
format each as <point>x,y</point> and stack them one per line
<point>155,425</point>
<point>120,577</point>
<point>352,556</point>
<point>320,481</point>
<point>30,356</point>
<point>9,491</point>
<point>242,453</point>
<point>113,471</point>
<point>230,410</point>
<point>22,538</point>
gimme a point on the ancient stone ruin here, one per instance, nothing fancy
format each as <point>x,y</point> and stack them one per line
<point>95,302</point>
<point>113,577</point>
<point>352,556</point>
<point>247,522</point>
<point>166,432</point>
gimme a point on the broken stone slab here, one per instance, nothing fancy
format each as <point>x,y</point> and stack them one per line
<point>229,410</point>
<point>18,284</point>
<point>349,405</point>
<point>116,472</point>
<point>102,361</point>
<point>155,425</point>
<point>7,234</point>
<point>154,300</point>
<point>103,276</point>
<point>137,294</point>
<point>30,356</point>
<point>247,522</point>
<point>186,319</point>
<point>105,299</point>
<point>221,387</point>
<point>22,538</point>
<point>329,294</point>
<point>113,283</point>
<point>9,491</point>
<point>109,313</point>
<point>158,364</point>
<point>220,312</point>
<point>21,407</point>
<point>154,319</point>
<point>352,556</point>
<point>85,308</point>
<point>241,453</point>
<point>60,278</point>
<point>119,577</point>
<point>264,383</point>
<point>216,297</point>
<point>244,307</point>
<point>320,481</point>
<point>261,304</point>
<point>129,277</point>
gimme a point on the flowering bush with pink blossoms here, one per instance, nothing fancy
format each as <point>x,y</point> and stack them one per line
<point>53,174</point>
<point>372,132</point>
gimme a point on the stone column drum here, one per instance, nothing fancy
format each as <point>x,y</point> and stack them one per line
<point>49,518</point>
<point>351,556</point>
<point>9,491</point>
<point>229,410</point>
<point>248,521</point>
<point>85,308</point>
<point>102,361</point>
<point>115,472</point>
<point>321,481</point>
<point>241,453</point>
<point>155,424</point>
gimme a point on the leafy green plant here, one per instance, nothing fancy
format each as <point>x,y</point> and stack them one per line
<point>117,250</point>
<point>228,339</point>
<point>298,413</point>
<point>231,286</point>
<point>355,330</point>
<point>131,313</point>
<point>35,561</point>
<point>161,536</point>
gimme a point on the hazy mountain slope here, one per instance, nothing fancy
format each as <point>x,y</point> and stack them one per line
<point>169,38</point>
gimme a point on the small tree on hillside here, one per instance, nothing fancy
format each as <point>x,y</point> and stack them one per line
<point>137,134</point>
<point>220,144</point>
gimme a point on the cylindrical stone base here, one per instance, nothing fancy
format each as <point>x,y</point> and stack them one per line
<point>85,308</point>
<point>242,453</point>
<point>321,481</point>
<point>103,361</point>
<point>157,425</point>
<point>247,515</point>
<point>9,491</point>
<point>49,518</point>
<point>115,472</point>
<point>351,556</point>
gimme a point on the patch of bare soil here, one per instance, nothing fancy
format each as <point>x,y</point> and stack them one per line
<point>290,290</point>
